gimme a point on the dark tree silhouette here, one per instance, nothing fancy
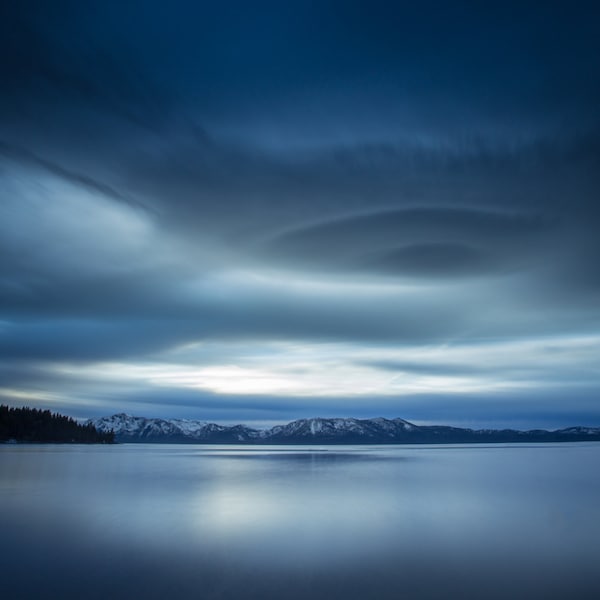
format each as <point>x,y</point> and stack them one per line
<point>34,425</point>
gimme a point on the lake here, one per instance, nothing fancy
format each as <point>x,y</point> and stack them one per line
<point>223,522</point>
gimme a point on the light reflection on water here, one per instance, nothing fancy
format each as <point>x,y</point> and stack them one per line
<point>157,521</point>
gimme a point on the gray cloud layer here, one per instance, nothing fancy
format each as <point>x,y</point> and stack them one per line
<point>380,177</point>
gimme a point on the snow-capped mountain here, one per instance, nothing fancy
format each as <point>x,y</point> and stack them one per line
<point>336,430</point>
<point>139,429</point>
<point>324,431</point>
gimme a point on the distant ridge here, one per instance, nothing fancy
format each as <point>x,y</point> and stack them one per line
<point>324,431</point>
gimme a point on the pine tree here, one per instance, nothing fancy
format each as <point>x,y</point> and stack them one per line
<point>35,425</point>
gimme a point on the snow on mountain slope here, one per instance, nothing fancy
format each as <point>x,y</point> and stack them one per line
<point>137,429</point>
<point>321,430</point>
<point>129,428</point>
<point>341,428</point>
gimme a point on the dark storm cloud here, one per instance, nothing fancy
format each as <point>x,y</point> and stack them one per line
<point>135,327</point>
<point>434,259</point>
<point>577,372</point>
<point>85,340</point>
<point>418,241</point>
<point>173,64</point>
<point>56,60</point>
<point>23,156</point>
<point>319,71</point>
<point>426,368</point>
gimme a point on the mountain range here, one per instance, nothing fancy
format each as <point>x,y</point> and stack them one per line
<point>324,431</point>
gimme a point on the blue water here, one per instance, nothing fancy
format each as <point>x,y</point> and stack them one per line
<point>224,522</point>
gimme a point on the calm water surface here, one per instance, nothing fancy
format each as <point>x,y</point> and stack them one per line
<point>224,522</point>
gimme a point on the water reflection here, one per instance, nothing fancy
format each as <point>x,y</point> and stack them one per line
<point>295,522</point>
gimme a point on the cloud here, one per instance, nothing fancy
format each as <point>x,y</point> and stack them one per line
<point>192,187</point>
<point>433,259</point>
<point>416,241</point>
<point>23,156</point>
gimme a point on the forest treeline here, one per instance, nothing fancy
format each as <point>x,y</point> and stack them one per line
<point>35,425</point>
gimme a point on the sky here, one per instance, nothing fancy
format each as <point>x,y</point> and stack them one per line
<point>261,211</point>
